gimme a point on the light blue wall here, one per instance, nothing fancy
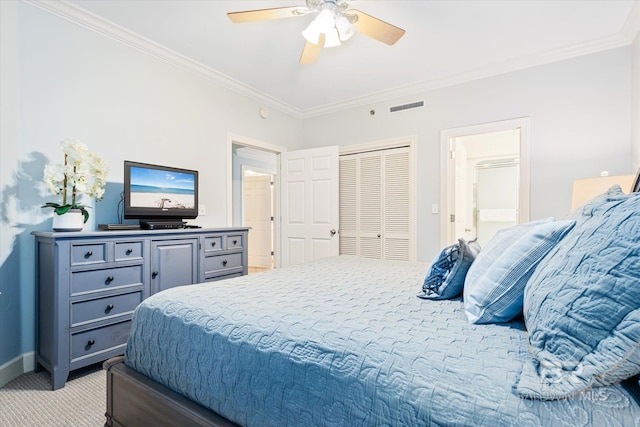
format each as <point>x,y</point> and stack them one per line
<point>60,80</point>
<point>65,81</point>
<point>580,124</point>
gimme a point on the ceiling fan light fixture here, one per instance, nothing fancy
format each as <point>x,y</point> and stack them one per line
<point>332,38</point>
<point>345,28</point>
<point>334,23</point>
<point>312,32</point>
<point>325,21</point>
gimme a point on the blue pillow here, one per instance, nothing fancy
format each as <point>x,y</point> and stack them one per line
<point>446,275</point>
<point>586,210</point>
<point>494,287</point>
<point>582,304</point>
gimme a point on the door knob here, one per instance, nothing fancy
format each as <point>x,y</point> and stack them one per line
<point>333,232</point>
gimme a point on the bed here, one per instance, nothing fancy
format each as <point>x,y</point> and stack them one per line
<point>344,341</point>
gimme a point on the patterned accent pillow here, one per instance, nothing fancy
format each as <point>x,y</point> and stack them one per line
<point>582,304</point>
<point>446,275</point>
<point>494,288</point>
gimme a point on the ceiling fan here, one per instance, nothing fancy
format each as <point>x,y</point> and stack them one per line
<point>334,23</point>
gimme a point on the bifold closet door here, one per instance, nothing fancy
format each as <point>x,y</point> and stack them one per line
<point>375,204</point>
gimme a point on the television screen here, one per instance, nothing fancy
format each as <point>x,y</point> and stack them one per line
<point>154,191</point>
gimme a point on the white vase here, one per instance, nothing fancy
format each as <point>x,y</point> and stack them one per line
<point>73,220</point>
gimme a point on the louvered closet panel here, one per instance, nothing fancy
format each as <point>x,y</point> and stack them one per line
<point>348,206</point>
<point>375,204</point>
<point>370,205</point>
<point>397,204</point>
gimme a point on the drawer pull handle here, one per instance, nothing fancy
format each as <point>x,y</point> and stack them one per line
<point>224,262</point>
<point>235,242</point>
<point>213,244</point>
<point>109,307</point>
<point>109,280</point>
<point>154,274</point>
<point>91,342</point>
<point>88,254</point>
<point>129,251</point>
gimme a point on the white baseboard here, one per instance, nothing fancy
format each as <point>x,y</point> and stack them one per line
<point>16,367</point>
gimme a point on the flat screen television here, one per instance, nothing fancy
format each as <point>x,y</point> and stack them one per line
<point>159,195</point>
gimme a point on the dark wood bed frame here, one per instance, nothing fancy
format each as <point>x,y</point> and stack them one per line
<point>133,400</point>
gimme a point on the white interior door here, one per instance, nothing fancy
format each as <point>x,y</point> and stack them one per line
<point>258,215</point>
<point>310,204</point>
<point>463,223</point>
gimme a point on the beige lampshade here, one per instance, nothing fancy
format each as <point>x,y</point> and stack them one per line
<point>586,189</point>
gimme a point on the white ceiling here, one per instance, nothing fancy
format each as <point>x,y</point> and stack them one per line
<point>446,42</point>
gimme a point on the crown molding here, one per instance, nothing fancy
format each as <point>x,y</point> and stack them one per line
<point>82,17</point>
<point>632,25</point>
<point>86,19</point>
<point>416,90</point>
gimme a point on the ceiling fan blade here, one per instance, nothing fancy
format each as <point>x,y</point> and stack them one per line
<point>264,14</point>
<point>376,28</point>
<point>311,51</point>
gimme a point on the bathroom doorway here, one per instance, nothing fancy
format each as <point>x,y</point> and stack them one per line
<point>486,180</point>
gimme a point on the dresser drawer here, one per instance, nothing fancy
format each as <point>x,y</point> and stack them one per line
<point>227,276</point>
<point>106,278</point>
<point>95,340</point>
<point>212,244</point>
<point>88,253</point>
<point>128,250</point>
<point>89,311</point>
<point>234,241</point>
<point>218,263</point>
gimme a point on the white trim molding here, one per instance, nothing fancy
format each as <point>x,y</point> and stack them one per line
<point>632,26</point>
<point>235,139</point>
<point>16,367</point>
<point>82,17</point>
<point>523,123</point>
<point>86,19</point>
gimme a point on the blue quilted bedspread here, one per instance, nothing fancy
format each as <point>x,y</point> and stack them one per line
<point>345,342</point>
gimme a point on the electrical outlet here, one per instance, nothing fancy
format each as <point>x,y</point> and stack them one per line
<point>434,208</point>
<point>202,209</point>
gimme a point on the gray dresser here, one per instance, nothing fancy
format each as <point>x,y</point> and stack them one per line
<point>89,283</point>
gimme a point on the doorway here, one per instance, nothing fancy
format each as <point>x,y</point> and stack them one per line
<point>253,197</point>
<point>485,178</point>
<point>291,214</point>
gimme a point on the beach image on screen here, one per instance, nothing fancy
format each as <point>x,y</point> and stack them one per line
<point>152,188</point>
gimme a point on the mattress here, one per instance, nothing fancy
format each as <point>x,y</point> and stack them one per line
<point>344,341</point>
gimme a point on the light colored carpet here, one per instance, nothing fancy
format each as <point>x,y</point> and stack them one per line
<point>28,400</point>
